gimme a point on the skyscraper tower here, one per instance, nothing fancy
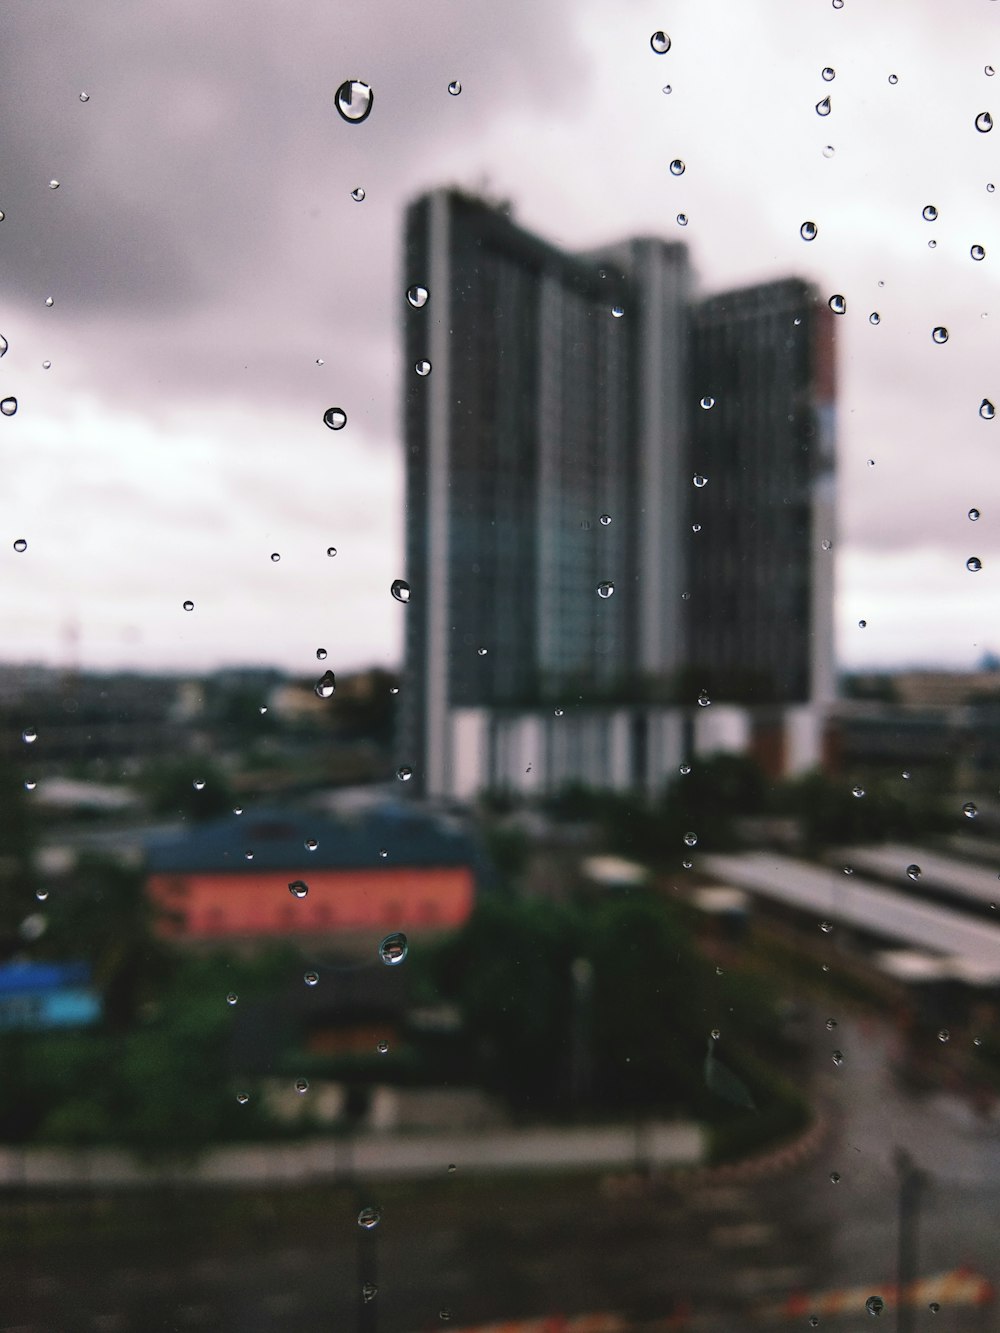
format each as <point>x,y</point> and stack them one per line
<point>560,607</point>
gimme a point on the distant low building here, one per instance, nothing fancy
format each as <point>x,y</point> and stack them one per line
<point>242,877</point>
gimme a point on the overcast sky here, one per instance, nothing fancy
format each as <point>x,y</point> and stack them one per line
<point>203,253</point>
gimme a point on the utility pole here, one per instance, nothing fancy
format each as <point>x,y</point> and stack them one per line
<point>911,1184</point>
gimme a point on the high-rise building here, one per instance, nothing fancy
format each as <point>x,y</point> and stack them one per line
<point>561,607</point>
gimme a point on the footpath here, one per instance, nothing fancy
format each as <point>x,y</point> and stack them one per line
<point>648,1146</point>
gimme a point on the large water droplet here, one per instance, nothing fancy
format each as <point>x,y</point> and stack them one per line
<point>682,219</point>
<point>3,345</point>
<point>823,107</point>
<point>298,888</point>
<point>986,410</point>
<point>699,480</point>
<point>354,100</point>
<point>358,194</point>
<point>331,550</point>
<point>828,150</point>
<point>939,333</point>
<point>660,42</point>
<point>690,839</point>
<point>809,231</point>
<point>455,87</point>
<point>335,418</point>
<point>400,589</point>
<point>275,557</point>
<point>417,296</point>
<point>973,564</point>
<point>326,684</point>
<point>973,515</point>
<point>29,735</point>
<point>393,949</point>
<point>617,311</point>
<point>404,774</point>
<point>242,1098</point>
<point>310,844</point>
<point>605,589</point>
<point>984,122</point>
<point>875,1305</point>
<point>858,792</point>
<point>321,654</point>
<point>605,520</point>
<point>829,73</point>
<point>301,1085</point>
<point>703,699</point>
<point>677,167</point>
<point>189,605</point>
<point>913,871</point>
<point>970,810</point>
<point>20,545</point>
<point>8,406</point>
<point>874,317</point>
<point>929,213</point>
<point>311,978</point>
<point>978,252</point>
<point>85,97</point>
<point>53,185</point>
<point>838,303</point>
<point>368,1218</point>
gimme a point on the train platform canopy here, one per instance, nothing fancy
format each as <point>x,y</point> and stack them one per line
<point>946,874</point>
<point>896,918</point>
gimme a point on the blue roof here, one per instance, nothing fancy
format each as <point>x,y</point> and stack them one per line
<point>20,977</point>
<point>279,838</point>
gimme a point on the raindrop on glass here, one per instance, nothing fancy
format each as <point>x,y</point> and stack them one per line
<point>943,1035</point>
<point>826,544</point>
<point>301,1085</point>
<point>49,301</point>
<point>400,589</point>
<point>354,100</point>
<point>893,79</point>
<point>557,712</point>
<point>242,1098</point>
<point>690,839</point>
<point>189,605</point>
<point>978,252</point>
<point>310,844</point>
<point>417,296</point>
<point>831,1023</point>
<point>617,311</point>
<point>699,480</point>
<point>454,87</point>
<point>382,1047</point>
<point>707,403</point>
<point>30,784</point>
<point>862,624</point>
<point>53,185</point>
<point>930,213</point>
<point>404,774</point>
<point>875,1305</point>
<point>984,122</point>
<point>358,194</point>
<point>605,589</point>
<point>834,1177</point>
<point>660,42</point>
<point>973,564</point>
<point>8,406</point>
<point>838,303</point>
<point>823,107</point>
<point>321,654</point>
<point>393,949</point>
<point>858,792</point>
<point>939,334</point>
<point>989,71</point>
<point>829,74</point>
<point>667,88</point>
<point>326,685</point>
<point>20,545</point>
<point>335,418</point>
<point>3,345</point>
<point>874,317</point>
<point>828,150</point>
<point>248,856</point>
<point>331,550</point>
<point>423,368</point>
<point>970,810</point>
<point>298,888</point>
<point>605,520</point>
<point>703,699</point>
<point>986,410</point>
<point>973,514</point>
<point>311,978</point>
<point>913,871</point>
<point>198,784</point>
<point>85,97</point>
<point>677,167</point>
<point>838,1058</point>
<point>275,556</point>
<point>826,927</point>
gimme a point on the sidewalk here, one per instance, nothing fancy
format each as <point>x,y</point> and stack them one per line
<point>400,1156</point>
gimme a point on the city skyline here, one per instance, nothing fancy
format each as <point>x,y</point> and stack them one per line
<point>203,253</point>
